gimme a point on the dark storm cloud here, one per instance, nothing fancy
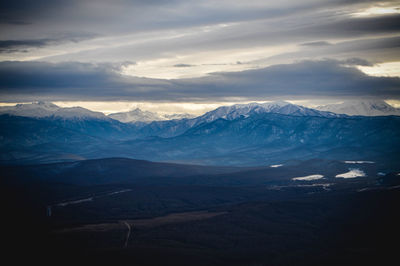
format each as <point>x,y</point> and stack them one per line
<point>9,46</point>
<point>72,76</point>
<point>310,79</point>
<point>79,81</point>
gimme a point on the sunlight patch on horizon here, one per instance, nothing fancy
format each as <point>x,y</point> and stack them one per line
<point>394,103</point>
<point>159,107</point>
<point>109,107</point>
<point>390,69</point>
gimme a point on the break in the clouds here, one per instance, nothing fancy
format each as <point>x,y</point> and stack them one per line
<point>198,50</point>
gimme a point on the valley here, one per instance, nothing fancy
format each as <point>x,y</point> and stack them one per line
<point>219,216</point>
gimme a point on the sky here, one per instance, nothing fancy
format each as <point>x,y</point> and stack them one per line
<point>191,56</point>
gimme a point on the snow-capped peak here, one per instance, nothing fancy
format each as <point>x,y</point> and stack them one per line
<point>35,109</point>
<point>45,105</point>
<point>361,107</point>
<point>47,109</point>
<point>136,115</point>
<point>279,107</point>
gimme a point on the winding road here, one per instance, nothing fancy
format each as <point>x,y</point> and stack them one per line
<point>128,234</point>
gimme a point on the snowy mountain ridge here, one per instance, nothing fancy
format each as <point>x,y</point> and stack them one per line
<point>46,109</point>
<point>279,107</point>
<point>361,107</point>
<point>138,115</point>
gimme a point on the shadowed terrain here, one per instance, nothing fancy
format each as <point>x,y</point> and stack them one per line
<point>250,216</point>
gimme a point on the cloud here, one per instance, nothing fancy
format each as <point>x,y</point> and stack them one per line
<point>247,37</point>
<point>303,80</point>
<point>27,81</point>
<point>356,62</point>
<point>191,39</point>
<point>10,46</point>
<point>317,43</point>
<point>183,65</point>
<point>362,26</point>
<point>162,33</point>
<point>371,49</point>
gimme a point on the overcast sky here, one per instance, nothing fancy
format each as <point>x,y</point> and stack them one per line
<point>198,52</point>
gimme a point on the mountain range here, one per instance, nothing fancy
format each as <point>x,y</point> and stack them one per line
<point>46,110</point>
<point>361,108</point>
<point>243,134</point>
<point>172,128</point>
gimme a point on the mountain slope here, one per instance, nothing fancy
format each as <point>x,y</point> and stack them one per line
<point>363,107</point>
<point>271,138</point>
<point>52,138</point>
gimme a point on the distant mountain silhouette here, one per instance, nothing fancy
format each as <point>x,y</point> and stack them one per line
<point>361,107</point>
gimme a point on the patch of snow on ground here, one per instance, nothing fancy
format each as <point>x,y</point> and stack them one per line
<point>276,165</point>
<point>352,174</point>
<point>308,178</point>
<point>358,162</point>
